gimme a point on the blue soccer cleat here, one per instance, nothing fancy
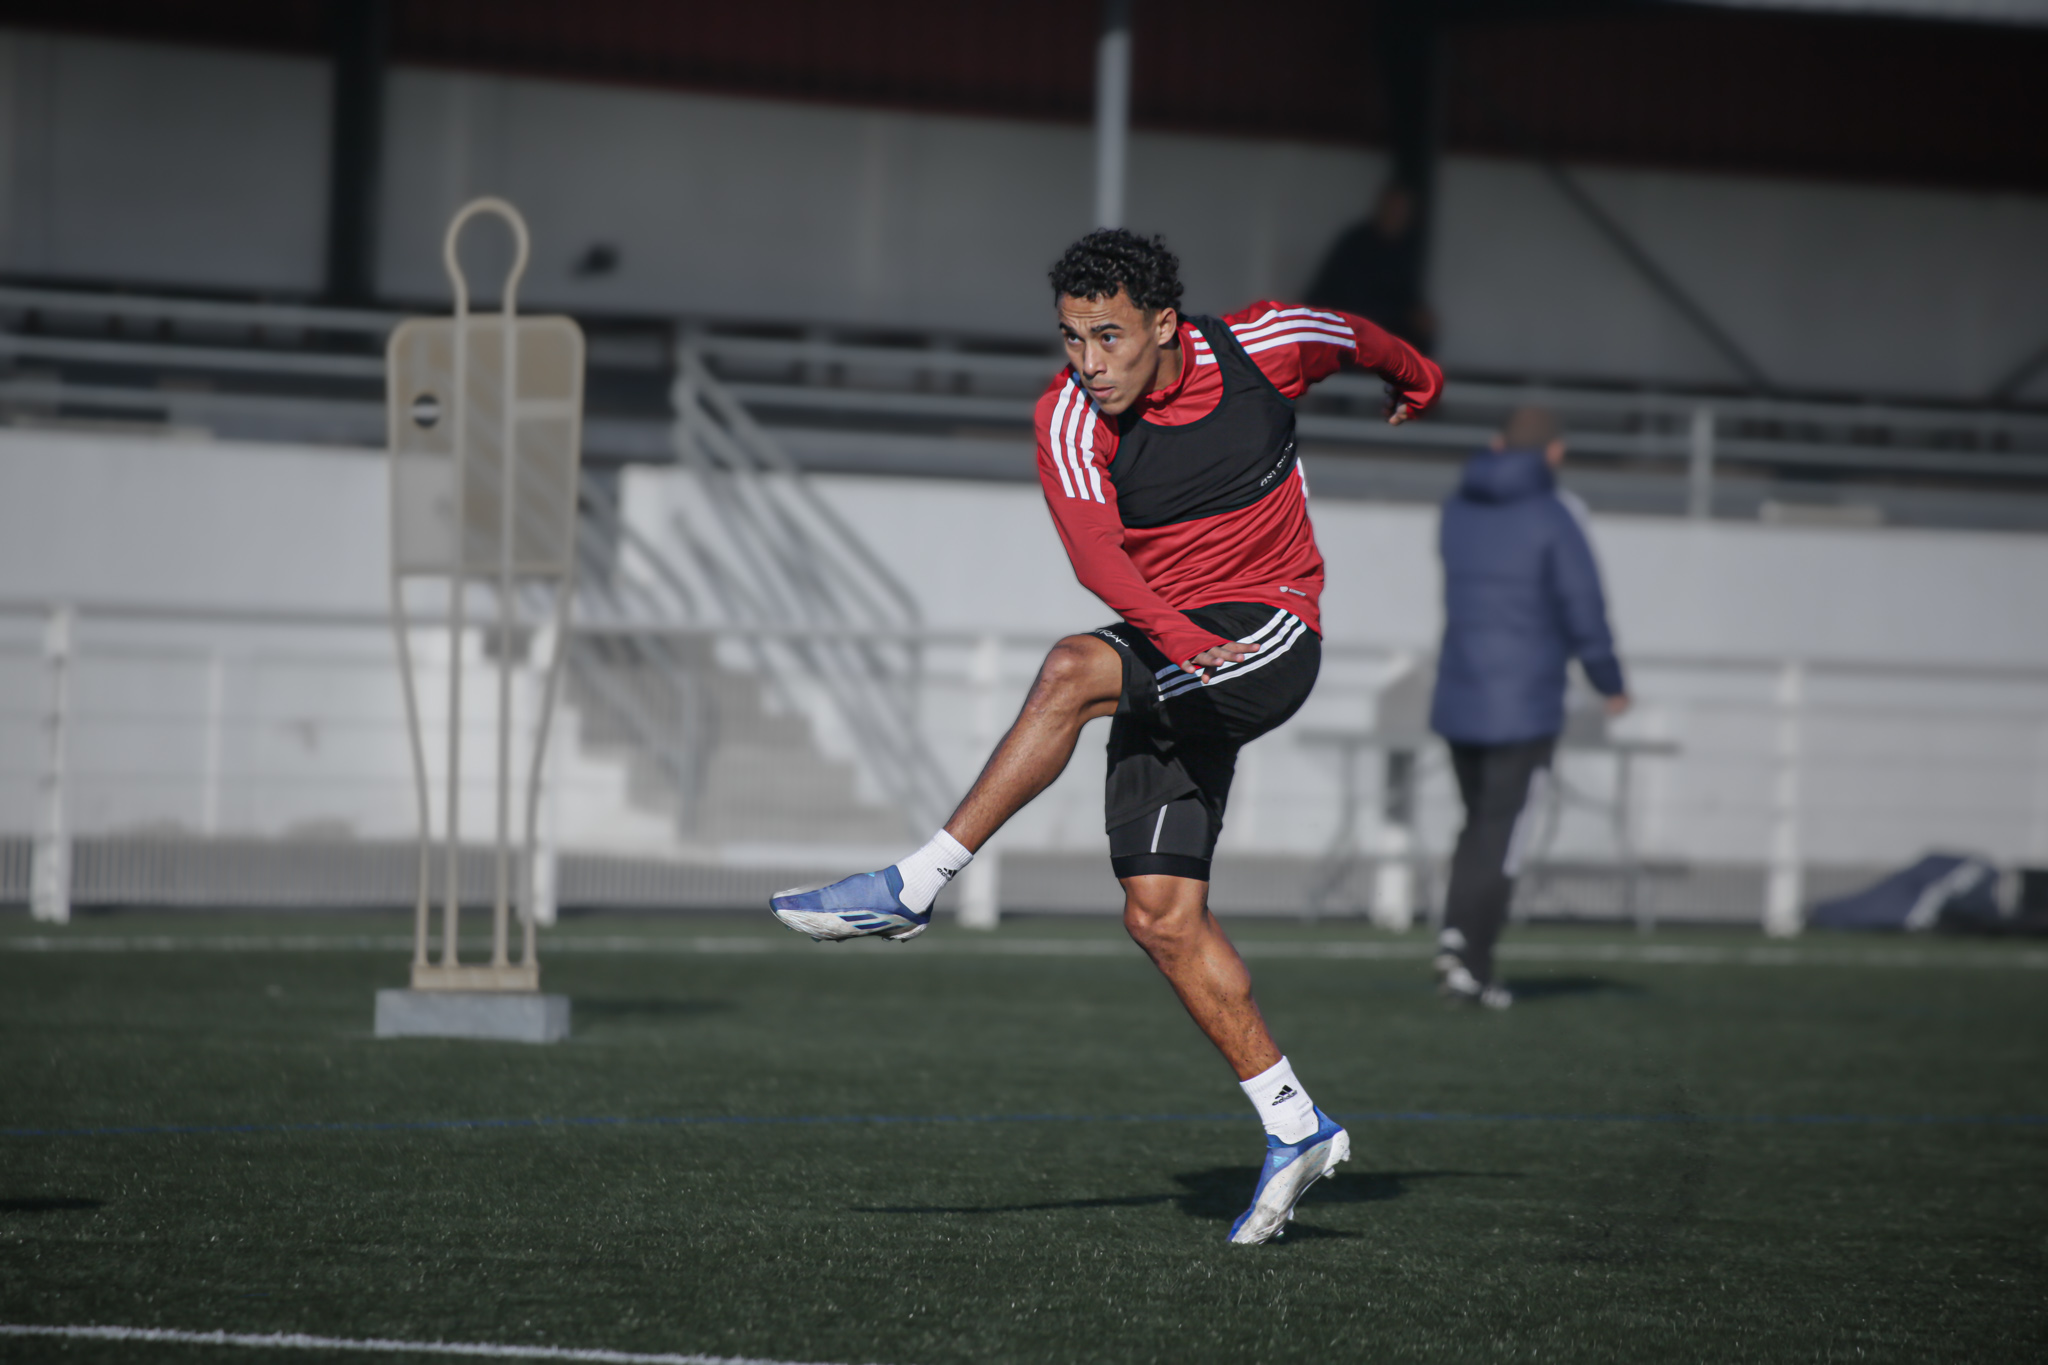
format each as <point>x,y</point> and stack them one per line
<point>1286,1176</point>
<point>853,907</point>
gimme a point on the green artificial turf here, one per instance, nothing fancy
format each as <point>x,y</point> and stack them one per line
<point>1613,1170</point>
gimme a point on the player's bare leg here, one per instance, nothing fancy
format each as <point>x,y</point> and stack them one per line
<point>1080,680</point>
<point>1169,918</point>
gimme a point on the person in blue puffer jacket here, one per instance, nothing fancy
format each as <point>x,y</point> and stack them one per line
<point>1522,599</point>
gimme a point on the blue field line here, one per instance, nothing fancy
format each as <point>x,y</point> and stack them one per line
<point>821,1120</point>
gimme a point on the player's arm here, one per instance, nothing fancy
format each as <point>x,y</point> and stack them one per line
<point>1582,610</point>
<point>1296,346</point>
<point>1072,453</point>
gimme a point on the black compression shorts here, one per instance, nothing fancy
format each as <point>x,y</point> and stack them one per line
<point>1173,745</point>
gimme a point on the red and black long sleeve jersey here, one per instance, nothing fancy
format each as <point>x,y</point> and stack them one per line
<point>1150,562</point>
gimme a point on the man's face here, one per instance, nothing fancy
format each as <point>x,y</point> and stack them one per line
<point>1120,351</point>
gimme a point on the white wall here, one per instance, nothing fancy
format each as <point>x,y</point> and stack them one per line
<point>177,165</point>
<point>807,211</point>
<point>177,523</point>
<point>1890,767</point>
<point>985,556</point>
<point>193,167</point>
<point>135,519</point>
<point>305,727</point>
<point>1826,286</point>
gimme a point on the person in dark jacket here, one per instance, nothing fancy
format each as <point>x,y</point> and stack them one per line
<point>1522,599</point>
<point>1374,269</point>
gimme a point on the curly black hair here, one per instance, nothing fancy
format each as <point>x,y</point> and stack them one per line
<point>1109,259</point>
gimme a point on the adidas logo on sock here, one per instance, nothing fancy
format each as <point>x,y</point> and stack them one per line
<point>948,872</point>
<point>1287,1092</point>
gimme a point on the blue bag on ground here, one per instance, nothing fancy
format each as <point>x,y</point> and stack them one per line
<point>1940,885</point>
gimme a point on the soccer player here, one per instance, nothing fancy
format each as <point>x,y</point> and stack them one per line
<point>1166,451</point>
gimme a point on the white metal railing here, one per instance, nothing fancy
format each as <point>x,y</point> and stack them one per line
<point>195,745</point>
<point>246,735</point>
<point>1759,784</point>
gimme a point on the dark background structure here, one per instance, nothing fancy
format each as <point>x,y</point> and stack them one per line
<point>1621,81</point>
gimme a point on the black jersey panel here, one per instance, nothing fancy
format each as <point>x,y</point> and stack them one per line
<point>1238,454</point>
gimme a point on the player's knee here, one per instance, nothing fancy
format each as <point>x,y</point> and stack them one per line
<point>1073,675</point>
<point>1161,922</point>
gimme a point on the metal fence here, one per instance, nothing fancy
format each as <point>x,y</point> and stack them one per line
<point>230,759</point>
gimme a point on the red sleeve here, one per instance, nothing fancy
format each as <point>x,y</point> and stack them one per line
<point>1296,346</point>
<point>1075,446</point>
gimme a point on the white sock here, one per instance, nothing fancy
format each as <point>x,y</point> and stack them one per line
<point>1284,1107</point>
<point>926,872</point>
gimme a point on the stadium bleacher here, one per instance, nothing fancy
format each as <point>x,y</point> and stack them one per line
<point>853,400</point>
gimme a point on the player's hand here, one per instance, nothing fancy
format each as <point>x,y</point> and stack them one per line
<point>1407,404</point>
<point>1229,652</point>
<point>1618,704</point>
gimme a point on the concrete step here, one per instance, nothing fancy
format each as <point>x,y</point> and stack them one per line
<point>761,776</point>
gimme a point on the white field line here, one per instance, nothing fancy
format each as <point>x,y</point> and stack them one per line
<point>556,945</point>
<point>299,1341</point>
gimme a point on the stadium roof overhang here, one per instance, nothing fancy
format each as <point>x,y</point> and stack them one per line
<point>1941,92</point>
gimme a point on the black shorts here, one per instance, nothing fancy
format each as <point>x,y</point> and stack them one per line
<point>1173,745</point>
